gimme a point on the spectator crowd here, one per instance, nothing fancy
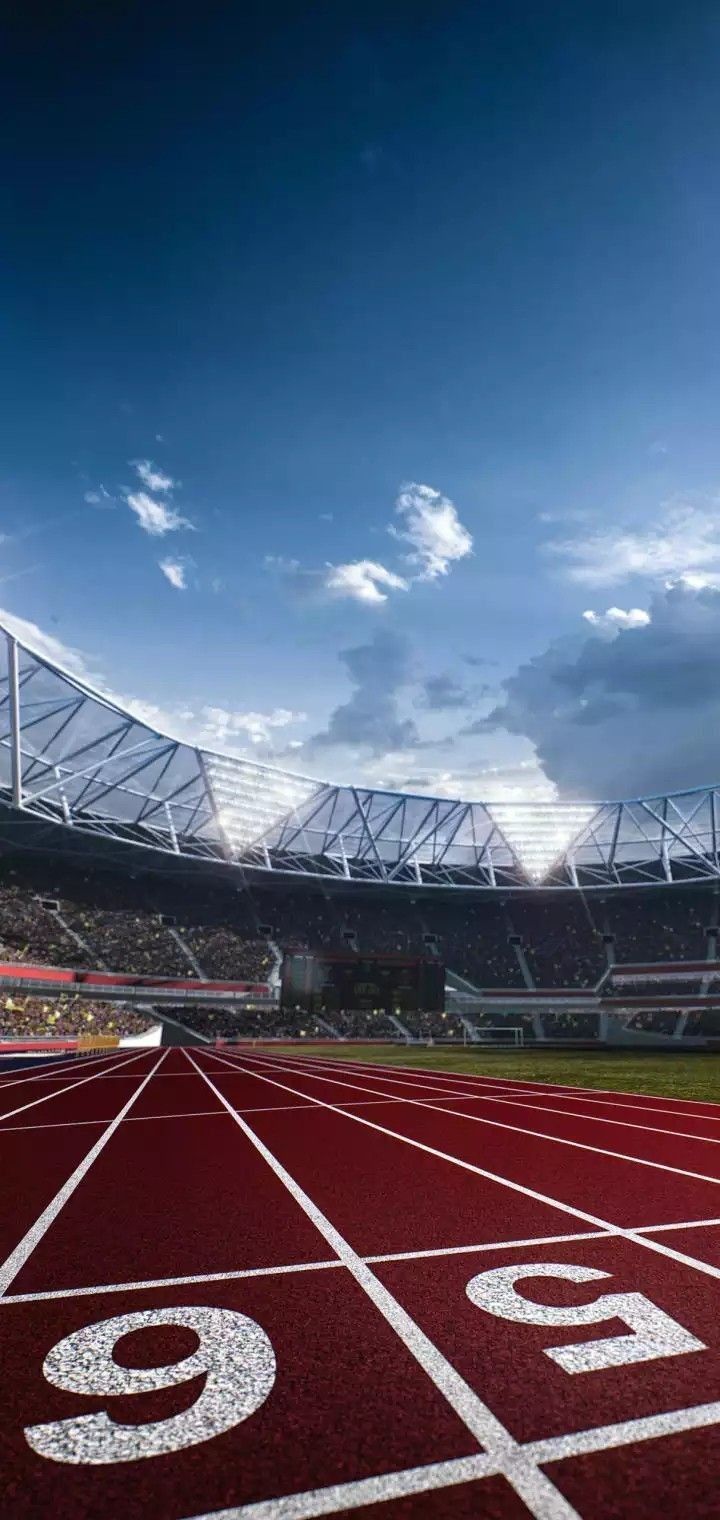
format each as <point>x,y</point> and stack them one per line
<point>65,1018</point>
<point>73,914</point>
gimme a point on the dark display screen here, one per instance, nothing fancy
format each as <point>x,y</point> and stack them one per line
<point>317,984</point>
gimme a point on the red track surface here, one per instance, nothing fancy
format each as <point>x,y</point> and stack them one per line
<point>319,1224</point>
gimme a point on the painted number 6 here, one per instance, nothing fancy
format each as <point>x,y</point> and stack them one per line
<point>234,1353</point>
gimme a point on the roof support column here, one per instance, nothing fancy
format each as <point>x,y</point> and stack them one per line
<point>14,694</point>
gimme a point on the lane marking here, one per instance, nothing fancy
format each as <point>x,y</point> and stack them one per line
<point>60,1073</point>
<point>561,1089</point>
<point>340,1497</point>
<point>688,1224</point>
<point>203,1113</point>
<point>491,1245</point>
<point>626,1432</point>
<point>313,1266</point>
<point>515,1129</point>
<point>480,1247</point>
<point>532,1486</point>
<point>518,1187</point>
<point>207,1113</point>
<point>48,1097</point>
<point>170,1282</point>
<point>513,1101</point>
<point>17,1258</point>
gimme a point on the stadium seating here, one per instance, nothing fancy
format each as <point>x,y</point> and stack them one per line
<point>31,1017</point>
<point>62,913</point>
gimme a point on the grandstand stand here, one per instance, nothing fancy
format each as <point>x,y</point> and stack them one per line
<point>32,1017</point>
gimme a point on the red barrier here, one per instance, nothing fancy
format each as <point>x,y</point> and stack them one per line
<point>20,970</point>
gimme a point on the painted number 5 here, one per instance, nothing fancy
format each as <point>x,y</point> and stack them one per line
<point>653,1333</point>
<point>234,1353</point>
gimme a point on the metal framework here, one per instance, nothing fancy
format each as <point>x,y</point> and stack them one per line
<point>72,756</point>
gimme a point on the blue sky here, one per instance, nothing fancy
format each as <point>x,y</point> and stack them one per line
<point>351,358</point>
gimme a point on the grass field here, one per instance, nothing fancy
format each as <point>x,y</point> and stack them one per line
<point>678,1076</point>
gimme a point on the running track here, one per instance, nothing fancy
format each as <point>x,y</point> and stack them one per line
<point>279,1287</point>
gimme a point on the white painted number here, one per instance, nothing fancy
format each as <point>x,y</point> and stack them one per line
<point>653,1333</point>
<point>234,1354</point>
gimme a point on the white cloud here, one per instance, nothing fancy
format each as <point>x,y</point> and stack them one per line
<point>207,725</point>
<point>217,725</point>
<point>151,476</point>
<point>47,645</point>
<point>155,517</point>
<point>615,618</point>
<point>521,782</point>
<point>684,542</point>
<point>433,529</point>
<point>175,571</point>
<point>280,562</point>
<point>362,580</point>
<point>98,498</point>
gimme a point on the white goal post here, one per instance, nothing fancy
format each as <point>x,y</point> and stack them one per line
<point>500,1034</point>
<point>512,1035</point>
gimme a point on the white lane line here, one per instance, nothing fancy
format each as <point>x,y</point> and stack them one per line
<point>485,1246</point>
<point>689,1224</point>
<point>338,1498</point>
<point>517,1187</point>
<point>48,1097</point>
<point>313,1266</point>
<point>207,1113</point>
<point>513,1100</point>
<point>533,1487</point>
<point>491,1245</point>
<point>170,1282</point>
<point>625,1433</point>
<point>514,1129</point>
<point>61,1072</point>
<point>342,1497</point>
<point>17,1258</point>
<point>558,1090</point>
<point>203,1113</point>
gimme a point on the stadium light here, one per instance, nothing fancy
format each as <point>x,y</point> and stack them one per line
<point>540,833</point>
<point>251,800</point>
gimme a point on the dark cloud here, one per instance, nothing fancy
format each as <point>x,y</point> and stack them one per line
<point>477,660</point>
<point>632,715</point>
<point>371,719</point>
<point>441,693</point>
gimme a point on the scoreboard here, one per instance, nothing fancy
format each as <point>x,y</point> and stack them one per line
<point>390,983</point>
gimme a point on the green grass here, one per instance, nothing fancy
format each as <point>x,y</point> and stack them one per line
<point>667,1075</point>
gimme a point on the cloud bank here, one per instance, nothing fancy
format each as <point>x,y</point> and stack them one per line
<point>627,715</point>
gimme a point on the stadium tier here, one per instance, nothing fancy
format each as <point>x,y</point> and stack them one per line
<point>124,851</point>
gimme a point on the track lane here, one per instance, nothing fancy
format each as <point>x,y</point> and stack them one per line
<point>60,1073</point>
<point>525,1169</point>
<point>184,1197</point>
<point>386,1196</point>
<point>503,1106</point>
<point>69,1086</point>
<point>517,1087</point>
<point>337,1372</point>
<point>40,1223</point>
<point>670,1120</point>
<point>507,1362</point>
<point>508,1143</point>
<point>646,1144</point>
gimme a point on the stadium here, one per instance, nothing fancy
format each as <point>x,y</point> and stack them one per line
<point>325,1110</point>
<point>241,895</point>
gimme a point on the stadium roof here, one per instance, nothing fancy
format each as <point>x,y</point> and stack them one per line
<point>73,756</point>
